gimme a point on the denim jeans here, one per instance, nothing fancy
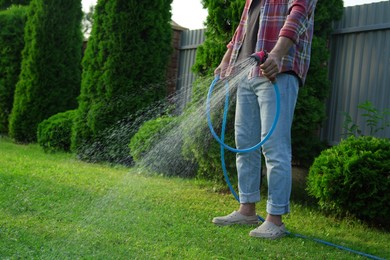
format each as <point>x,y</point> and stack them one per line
<point>255,113</point>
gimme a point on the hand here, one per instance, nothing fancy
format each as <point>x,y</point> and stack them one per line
<point>271,67</point>
<point>221,69</point>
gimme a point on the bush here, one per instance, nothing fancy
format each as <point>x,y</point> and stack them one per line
<point>158,146</point>
<point>54,133</point>
<point>50,76</point>
<point>12,23</point>
<point>147,135</point>
<point>354,178</point>
<point>200,145</point>
<point>112,144</point>
<point>121,72</point>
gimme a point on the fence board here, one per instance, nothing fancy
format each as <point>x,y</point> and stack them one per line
<point>359,67</point>
<point>190,41</point>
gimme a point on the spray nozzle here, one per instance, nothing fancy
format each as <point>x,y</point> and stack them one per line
<point>260,57</point>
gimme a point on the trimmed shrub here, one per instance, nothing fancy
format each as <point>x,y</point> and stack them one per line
<point>150,132</point>
<point>124,67</point>
<point>54,134</point>
<point>200,146</point>
<point>158,146</point>
<point>50,76</point>
<point>12,22</point>
<point>354,178</point>
<point>112,144</point>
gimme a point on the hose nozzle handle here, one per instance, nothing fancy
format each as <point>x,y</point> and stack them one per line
<point>260,57</point>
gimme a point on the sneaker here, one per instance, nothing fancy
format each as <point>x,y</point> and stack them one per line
<point>269,230</point>
<point>235,218</point>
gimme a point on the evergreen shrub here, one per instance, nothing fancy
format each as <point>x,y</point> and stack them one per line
<point>124,68</point>
<point>150,132</point>
<point>50,76</point>
<point>200,145</point>
<point>354,178</point>
<point>54,134</point>
<point>12,22</point>
<point>112,144</point>
<point>158,147</point>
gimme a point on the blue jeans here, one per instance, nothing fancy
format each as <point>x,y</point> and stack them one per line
<point>255,113</point>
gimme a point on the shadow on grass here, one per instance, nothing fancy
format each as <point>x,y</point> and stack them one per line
<point>299,193</point>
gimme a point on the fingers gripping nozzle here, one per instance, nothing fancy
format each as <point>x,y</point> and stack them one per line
<point>260,57</point>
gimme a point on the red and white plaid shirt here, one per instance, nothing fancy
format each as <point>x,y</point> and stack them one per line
<point>293,19</point>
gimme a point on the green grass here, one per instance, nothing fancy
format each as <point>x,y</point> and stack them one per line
<point>53,206</point>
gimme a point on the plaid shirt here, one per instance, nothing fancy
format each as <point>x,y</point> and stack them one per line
<point>293,19</point>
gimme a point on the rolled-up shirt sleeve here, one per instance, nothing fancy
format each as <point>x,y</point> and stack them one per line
<point>297,20</point>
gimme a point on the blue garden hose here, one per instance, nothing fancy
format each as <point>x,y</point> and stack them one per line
<point>224,146</point>
<point>220,141</point>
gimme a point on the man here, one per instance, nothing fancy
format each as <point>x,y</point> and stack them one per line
<point>284,28</point>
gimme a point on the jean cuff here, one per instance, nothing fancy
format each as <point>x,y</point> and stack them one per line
<point>277,209</point>
<point>250,197</point>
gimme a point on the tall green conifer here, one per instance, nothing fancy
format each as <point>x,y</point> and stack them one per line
<point>124,65</point>
<point>51,68</point>
<point>12,22</point>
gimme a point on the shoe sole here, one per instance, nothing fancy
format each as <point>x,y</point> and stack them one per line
<point>268,230</point>
<point>267,237</point>
<point>235,223</point>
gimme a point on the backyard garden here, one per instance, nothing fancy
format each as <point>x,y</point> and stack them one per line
<point>96,161</point>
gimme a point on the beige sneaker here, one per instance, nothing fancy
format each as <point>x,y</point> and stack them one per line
<point>235,218</point>
<point>269,230</point>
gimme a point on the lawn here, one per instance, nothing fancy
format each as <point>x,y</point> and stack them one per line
<point>53,206</point>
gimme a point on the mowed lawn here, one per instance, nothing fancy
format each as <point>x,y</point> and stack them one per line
<point>53,206</point>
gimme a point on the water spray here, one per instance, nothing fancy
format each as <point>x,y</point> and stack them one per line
<point>260,58</point>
